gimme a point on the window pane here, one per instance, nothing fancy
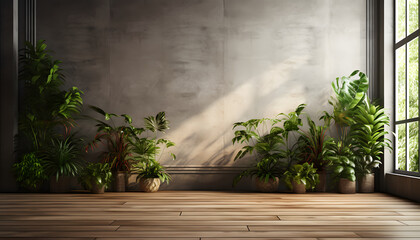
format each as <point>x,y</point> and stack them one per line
<point>413,78</point>
<point>401,134</point>
<point>413,147</point>
<point>400,21</point>
<point>413,16</point>
<point>400,85</point>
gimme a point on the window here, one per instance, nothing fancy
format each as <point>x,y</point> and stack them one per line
<point>407,86</point>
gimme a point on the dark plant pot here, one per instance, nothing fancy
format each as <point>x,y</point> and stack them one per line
<point>62,185</point>
<point>96,188</point>
<point>270,186</point>
<point>367,183</point>
<point>149,184</point>
<point>298,187</point>
<point>346,186</point>
<point>119,181</point>
<point>322,184</point>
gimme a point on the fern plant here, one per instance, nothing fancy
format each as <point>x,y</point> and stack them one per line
<point>30,171</point>
<point>150,169</point>
<point>99,173</point>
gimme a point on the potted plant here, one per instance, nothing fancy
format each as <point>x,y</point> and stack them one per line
<point>147,151</point>
<point>62,159</point>
<point>312,149</point>
<point>47,110</point>
<point>369,136</point>
<point>301,177</point>
<point>30,172</point>
<point>343,163</point>
<point>116,141</point>
<point>268,143</point>
<point>150,174</point>
<point>96,177</point>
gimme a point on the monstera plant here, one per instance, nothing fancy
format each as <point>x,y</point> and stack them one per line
<point>301,177</point>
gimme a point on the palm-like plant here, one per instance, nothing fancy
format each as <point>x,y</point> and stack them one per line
<point>146,150</point>
<point>369,136</point>
<point>45,105</point>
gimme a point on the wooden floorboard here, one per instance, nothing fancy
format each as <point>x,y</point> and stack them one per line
<point>207,215</point>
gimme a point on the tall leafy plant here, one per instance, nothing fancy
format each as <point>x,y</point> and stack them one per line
<point>114,137</point>
<point>147,150</point>
<point>45,105</point>
<point>368,134</point>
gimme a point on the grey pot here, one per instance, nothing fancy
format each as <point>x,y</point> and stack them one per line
<point>346,186</point>
<point>367,183</point>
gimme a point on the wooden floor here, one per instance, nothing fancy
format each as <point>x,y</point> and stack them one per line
<point>207,215</point>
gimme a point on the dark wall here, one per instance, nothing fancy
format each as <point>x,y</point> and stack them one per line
<point>207,63</point>
<point>8,91</point>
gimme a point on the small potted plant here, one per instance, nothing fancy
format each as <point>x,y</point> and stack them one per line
<point>312,149</point>
<point>62,160</point>
<point>369,135</point>
<point>29,172</point>
<point>266,172</point>
<point>148,150</point>
<point>299,177</point>
<point>343,164</point>
<point>96,177</point>
<point>150,174</point>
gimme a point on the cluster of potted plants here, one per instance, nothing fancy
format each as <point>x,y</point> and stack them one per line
<point>49,149</point>
<point>352,153</point>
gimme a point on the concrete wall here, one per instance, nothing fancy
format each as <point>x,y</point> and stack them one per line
<point>207,63</point>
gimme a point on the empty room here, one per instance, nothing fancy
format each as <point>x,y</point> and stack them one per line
<point>209,119</point>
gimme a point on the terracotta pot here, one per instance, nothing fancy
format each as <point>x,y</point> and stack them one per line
<point>96,188</point>
<point>346,186</point>
<point>149,184</point>
<point>298,187</point>
<point>61,185</point>
<point>119,181</point>
<point>271,186</point>
<point>322,184</point>
<point>367,183</point>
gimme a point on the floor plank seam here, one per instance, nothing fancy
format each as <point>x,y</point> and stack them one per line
<point>111,223</point>
<point>117,228</point>
<point>249,230</point>
<point>403,223</point>
<point>279,218</point>
<point>180,213</point>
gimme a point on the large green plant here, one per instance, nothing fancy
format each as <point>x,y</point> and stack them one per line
<point>349,93</point>
<point>114,137</point>
<point>312,145</point>
<point>269,143</point>
<point>45,106</point>
<point>305,173</point>
<point>30,172</point>
<point>100,173</point>
<point>368,134</point>
<point>63,157</point>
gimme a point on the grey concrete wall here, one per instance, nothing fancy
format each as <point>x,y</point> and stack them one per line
<point>207,63</point>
